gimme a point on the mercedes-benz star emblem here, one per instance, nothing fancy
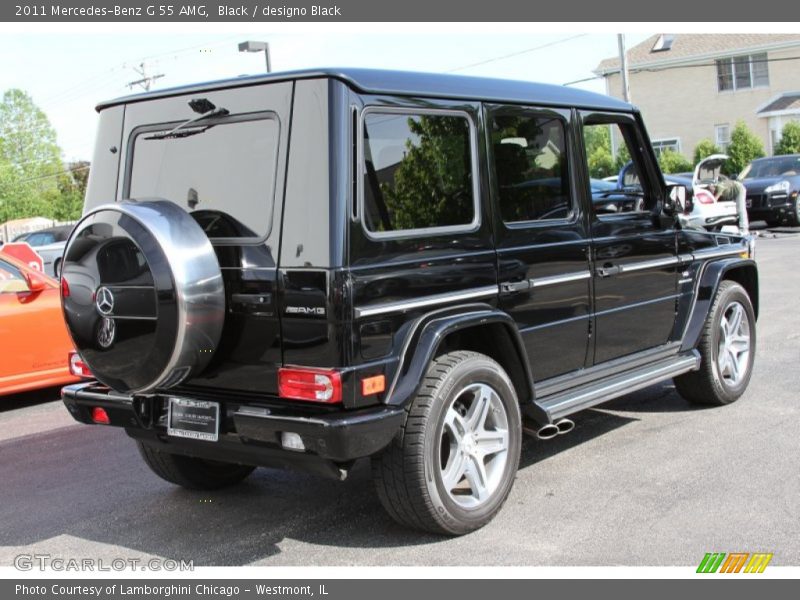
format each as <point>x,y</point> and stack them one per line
<point>104,301</point>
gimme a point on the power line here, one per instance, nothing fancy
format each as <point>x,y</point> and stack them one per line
<point>58,174</point>
<point>520,52</point>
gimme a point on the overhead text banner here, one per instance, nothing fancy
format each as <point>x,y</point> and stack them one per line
<point>371,10</point>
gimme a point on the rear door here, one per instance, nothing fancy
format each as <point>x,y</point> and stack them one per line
<point>635,259</point>
<point>227,171</point>
<point>542,243</point>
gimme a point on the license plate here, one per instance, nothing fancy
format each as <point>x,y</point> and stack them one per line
<point>194,419</point>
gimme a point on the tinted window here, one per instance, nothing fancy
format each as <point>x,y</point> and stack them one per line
<point>223,175</point>
<point>787,166</point>
<point>530,165</point>
<point>417,172</point>
<point>610,148</point>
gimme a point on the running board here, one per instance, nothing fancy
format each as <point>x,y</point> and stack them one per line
<point>562,404</point>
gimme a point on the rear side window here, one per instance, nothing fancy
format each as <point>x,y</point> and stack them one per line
<point>417,172</point>
<point>222,173</point>
<point>530,166</point>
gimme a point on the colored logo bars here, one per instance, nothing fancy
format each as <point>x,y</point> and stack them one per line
<point>714,561</point>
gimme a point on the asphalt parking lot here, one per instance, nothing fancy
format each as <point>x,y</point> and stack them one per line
<point>645,480</point>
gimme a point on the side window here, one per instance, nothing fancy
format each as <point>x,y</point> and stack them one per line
<point>417,172</point>
<point>11,279</point>
<point>529,159</point>
<point>615,168</point>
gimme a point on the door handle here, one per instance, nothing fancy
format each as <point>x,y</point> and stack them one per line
<point>608,270</point>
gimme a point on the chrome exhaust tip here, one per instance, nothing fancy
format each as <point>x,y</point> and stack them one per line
<point>547,432</point>
<point>565,426</point>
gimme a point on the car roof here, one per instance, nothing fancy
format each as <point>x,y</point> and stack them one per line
<point>406,83</point>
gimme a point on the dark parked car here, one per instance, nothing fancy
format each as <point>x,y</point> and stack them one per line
<point>773,186</point>
<point>305,269</point>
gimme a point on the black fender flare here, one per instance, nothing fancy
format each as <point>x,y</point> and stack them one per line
<point>426,336</point>
<point>711,275</point>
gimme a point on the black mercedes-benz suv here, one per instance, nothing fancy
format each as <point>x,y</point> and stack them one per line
<point>306,269</point>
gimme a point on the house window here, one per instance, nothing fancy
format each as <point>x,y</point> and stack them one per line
<point>660,146</point>
<point>742,72</point>
<point>722,136</point>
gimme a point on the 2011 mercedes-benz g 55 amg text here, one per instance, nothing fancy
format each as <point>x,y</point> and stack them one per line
<point>305,269</point>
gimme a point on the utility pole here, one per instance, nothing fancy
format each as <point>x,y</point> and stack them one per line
<point>623,65</point>
<point>146,80</point>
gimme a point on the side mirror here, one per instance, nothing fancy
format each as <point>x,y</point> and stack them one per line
<point>35,282</point>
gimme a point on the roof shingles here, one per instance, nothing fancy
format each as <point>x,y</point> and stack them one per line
<point>697,46</point>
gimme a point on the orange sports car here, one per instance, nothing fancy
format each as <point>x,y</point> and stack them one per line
<point>34,343</point>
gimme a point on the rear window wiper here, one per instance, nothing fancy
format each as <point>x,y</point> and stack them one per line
<point>180,131</point>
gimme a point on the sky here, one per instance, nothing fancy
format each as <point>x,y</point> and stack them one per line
<point>68,73</point>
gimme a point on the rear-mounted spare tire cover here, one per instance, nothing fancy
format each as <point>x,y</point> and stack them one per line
<point>144,299</point>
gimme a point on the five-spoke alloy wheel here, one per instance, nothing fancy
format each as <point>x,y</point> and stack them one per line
<point>452,467</point>
<point>727,348</point>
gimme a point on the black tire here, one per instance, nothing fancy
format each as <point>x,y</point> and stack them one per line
<point>794,217</point>
<point>408,474</point>
<point>773,222</point>
<point>709,385</point>
<point>57,269</point>
<point>192,473</point>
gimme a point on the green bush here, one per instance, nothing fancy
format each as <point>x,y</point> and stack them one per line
<point>790,139</point>
<point>744,147</point>
<point>704,149</point>
<point>601,164</point>
<point>673,162</point>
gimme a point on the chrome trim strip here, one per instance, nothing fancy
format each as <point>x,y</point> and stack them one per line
<point>126,318</point>
<point>648,264</point>
<point>556,279</point>
<point>404,305</point>
<point>717,253</point>
<point>685,258</point>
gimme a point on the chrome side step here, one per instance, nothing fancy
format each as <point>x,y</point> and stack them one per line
<point>567,402</point>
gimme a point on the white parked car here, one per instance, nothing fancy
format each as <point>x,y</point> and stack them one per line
<point>49,244</point>
<point>710,211</point>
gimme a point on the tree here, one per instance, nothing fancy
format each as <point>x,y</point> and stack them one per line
<point>31,170</point>
<point>790,139</point>
<point>673,162</point>
<point>704,149</point>
<point>744,147</point>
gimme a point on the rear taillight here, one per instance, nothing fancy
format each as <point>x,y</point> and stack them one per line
<point>64,288</point>
<point>77,367</point>
<point>704,197</point>
<point>313,385</point>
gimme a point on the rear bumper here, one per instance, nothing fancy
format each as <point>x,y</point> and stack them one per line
<point>250,433</point>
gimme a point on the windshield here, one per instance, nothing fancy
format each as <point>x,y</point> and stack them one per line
<point>773,167</point>
<point>223,174</point>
